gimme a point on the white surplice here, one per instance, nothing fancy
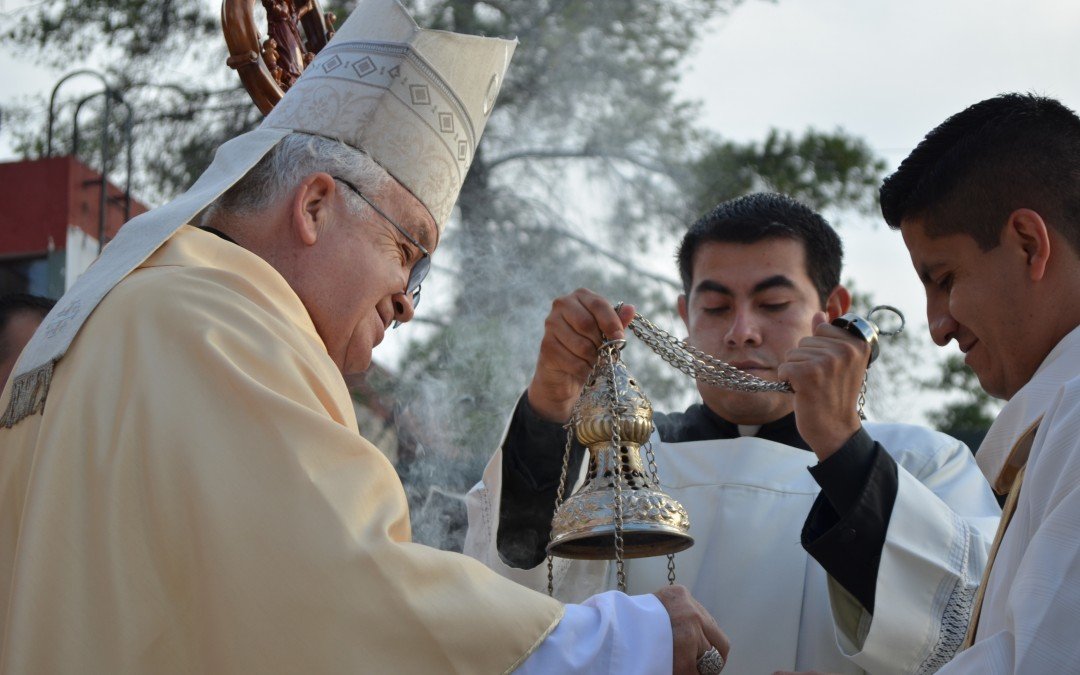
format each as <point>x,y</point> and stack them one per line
<point>748,499</point>
<point>1030,620</point>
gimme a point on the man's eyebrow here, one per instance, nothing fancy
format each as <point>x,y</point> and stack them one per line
<point>926,272</point>
<point>714,286</point>
<point>775,281</point>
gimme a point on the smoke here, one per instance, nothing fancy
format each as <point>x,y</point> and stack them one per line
<point>458,385</point>
<point>575,162</point>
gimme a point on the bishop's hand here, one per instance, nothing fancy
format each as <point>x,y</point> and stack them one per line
<point>826,372</point>
<point>573,331</point>
<point>693,630</point>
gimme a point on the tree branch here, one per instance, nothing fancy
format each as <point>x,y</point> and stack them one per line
<point>619,260</point>
<point>582,153</point>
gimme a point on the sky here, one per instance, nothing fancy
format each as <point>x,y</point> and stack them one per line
<point>885,71</point>
<point>888,72</point>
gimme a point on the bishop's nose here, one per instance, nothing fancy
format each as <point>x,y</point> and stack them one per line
<point>403,308</point>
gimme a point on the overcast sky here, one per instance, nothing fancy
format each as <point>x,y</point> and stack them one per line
<point>886,71</point>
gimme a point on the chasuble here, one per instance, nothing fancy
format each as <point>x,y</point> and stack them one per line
<point>196,497</point>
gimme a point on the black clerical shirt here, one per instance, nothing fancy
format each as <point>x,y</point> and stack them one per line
<point>844,532</point>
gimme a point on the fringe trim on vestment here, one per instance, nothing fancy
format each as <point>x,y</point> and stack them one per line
<point>28,393</point>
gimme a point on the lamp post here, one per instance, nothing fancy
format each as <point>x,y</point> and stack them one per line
<point>111,96</point>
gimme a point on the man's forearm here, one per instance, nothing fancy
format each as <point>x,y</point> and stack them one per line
<point>845,530</point>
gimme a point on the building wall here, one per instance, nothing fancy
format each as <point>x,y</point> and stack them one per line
<point>46,207</point>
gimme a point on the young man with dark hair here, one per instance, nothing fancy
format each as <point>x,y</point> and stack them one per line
<point>989,208</point>
<point>762,216</point>
<point>762,281</point>
<point>20,315</point>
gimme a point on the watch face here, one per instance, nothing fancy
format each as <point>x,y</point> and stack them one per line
<point>860,328</point>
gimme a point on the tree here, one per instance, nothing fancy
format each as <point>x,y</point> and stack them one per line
<point>166,57</point>
<point>821,170</point>
<point>590,165</point>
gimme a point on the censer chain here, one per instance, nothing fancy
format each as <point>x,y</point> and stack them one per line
<point>617,467</point>
<point>559,497</point>
<point>656,481</point>
<point>696,363</point>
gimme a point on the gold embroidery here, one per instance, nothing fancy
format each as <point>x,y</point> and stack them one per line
<point>1009,481</point>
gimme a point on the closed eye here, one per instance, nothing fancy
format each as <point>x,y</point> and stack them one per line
<point>775,306</point>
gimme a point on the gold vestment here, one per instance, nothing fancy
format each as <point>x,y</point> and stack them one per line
<point>196,497</point>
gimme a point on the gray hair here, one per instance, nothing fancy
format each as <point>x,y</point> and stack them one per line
<point>295,157</point>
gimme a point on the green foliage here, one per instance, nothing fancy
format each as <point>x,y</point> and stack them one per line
<point>64,32</point>
<point>165,57</point>
<point>822,170</point>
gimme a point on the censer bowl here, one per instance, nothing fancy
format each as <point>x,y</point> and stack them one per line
<point>653,523</point>
<point>640,540</point>
<point>613,419</point>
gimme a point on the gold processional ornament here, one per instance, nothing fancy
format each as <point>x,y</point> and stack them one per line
<point>296,31</point>
<point>620,512</point>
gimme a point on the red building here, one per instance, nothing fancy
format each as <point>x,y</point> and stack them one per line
<point>51,223</point>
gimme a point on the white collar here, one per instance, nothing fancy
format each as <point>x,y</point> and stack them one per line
<point>1027,406</point>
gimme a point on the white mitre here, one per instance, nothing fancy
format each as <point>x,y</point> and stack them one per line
<point>414,100</point>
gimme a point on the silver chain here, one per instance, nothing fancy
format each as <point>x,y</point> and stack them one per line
<point>861,405</point>
<point>560,494</point>
<point>656,483</point>
<point>696,363</point>
<point>616,454</point>
<point>652,462</point>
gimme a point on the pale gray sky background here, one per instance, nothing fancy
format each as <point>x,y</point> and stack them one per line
<point>885,71</point>
<point>888,72</point>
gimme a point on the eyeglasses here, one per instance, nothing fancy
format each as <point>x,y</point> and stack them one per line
<point>422,266</point>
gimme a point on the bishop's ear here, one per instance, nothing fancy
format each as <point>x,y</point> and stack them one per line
<point>312,206</point>
<point>1028,232</point>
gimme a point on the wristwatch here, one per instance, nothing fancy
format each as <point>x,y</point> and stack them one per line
<point>860,328</point>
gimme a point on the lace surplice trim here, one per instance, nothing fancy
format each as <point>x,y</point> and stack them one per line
<point>957,613</point>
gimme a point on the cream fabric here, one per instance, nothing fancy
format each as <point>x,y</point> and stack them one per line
<point>196,498</point>
<point>747,499</point>
<point>1031,606</point>
<point>414,100</point>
